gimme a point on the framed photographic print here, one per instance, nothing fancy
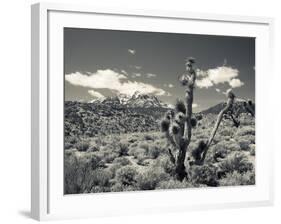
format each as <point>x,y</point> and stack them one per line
<point>137,111</point>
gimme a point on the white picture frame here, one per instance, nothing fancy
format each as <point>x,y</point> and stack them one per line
<point>47,199</point>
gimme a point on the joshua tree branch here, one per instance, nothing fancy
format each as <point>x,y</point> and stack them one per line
<point>171,140</point>
<point>236,122</point>
<point>250,110</point>
<point>219,119</point>
<point>172,157</point>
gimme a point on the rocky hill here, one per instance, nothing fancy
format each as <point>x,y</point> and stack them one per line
<point>109,116</point>
<point>238,106</point>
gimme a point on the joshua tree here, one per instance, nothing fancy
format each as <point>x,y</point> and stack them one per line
<point>250,107</point>
<point>177,125</point>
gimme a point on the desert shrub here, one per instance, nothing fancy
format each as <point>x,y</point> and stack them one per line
<point>90,161</point>
<point>100,177</point>
<point>150,178</point>
<point>118,187</point>
<point>67,145</point>
<point>232,145</point>
<point>142,161</point>
<point>235,162</point>
<point>148,137</point>
<point>196,151</point>
<point>99,141</point>
<point>165,163</point>
<point>154,152</point>
<point>216,153</point>
<point>133,145</point>
<point>244,144</point>
<point>204,175</point>
<point>138,153</point>
<point>113,168</point>
<point>252,149</point>
<point>93,148</point>
<point>109,157</point>
<point>144,146</point>
<point>132,138</point>
<point>251,138</point>
<point>127,175</point>
<point>95,161</point>
<point>226,131</point>
<point>82,146</point>
<point>72,140</point>
<point>122,161</point>
<point>71,172</point>
<point>246,130</point>
<point>123,149</point>
<point>78,171</point>
<point>173,184</point>
<point>235,178</point>
<point>98,189</point>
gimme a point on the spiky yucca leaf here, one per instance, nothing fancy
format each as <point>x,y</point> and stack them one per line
<point>174,129</point>
<point>180,118</point>
<point>165,124</point>
<point>169,114</point>
<point>196,153</point>
<point>184,80</point>
<point>193,122</point>
<point>180,106</point>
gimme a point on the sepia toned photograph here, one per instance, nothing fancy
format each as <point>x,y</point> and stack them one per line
<point>157,111</point>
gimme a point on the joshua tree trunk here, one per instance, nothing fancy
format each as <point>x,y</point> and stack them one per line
<point>178,127</point>
<point>180,167</point>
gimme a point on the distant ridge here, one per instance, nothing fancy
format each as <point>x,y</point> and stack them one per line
<point>238,106</point>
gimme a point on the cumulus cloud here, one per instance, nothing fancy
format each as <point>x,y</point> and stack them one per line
<point>194,105</point>
<point>122,71</point>
<point>218,75</point>
<point>222,74</point>
<point>204,83</point>
<point>96,94</point>
<point>234,83</point>
<point>170,85</point>
<point>114,81</point>
<point>136,75</point>
<point>150,75</point>
<point>132,51</point>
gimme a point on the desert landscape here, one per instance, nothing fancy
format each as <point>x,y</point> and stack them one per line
<point>157,111</point>
<point>117,145</point>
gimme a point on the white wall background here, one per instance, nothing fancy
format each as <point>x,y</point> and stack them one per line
<point>15,110</point>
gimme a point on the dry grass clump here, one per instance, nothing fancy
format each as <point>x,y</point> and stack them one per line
<point>236,179</point>
<point>236,161</point>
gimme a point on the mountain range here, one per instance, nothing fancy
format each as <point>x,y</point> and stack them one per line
<point>122,114</point>
<point>136,100</point>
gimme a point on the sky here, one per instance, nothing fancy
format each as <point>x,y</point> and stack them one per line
<point>101,63</point>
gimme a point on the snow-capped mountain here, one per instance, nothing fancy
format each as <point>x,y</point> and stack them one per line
<point>136,100</point>
<point>143,100</point>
